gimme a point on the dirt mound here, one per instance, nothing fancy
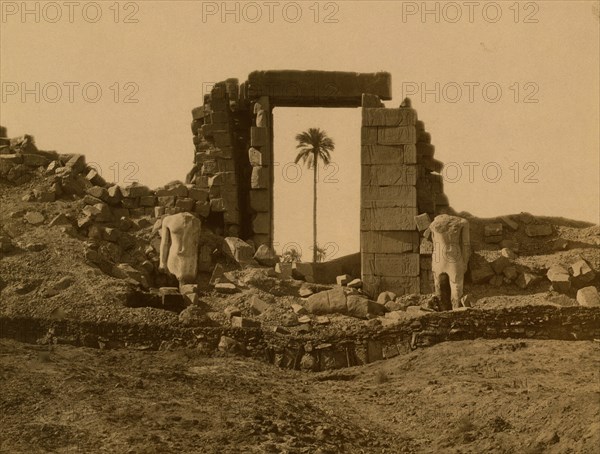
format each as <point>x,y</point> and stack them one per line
<point>469,397</point>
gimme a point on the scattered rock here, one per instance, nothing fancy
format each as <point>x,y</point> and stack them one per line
<point>343,279</point>
<point>384,297</point>
<point>305,291</point>
<point>35,247</point>
<point>329,302</point>
<point>355,283</point>
<point>242,322</point>
<point>492,233</point>
<point>322,320</point>
<point>258,306</point>
<point>582,273</point>
<point>290,319</point>
<point>266,256</point>
<point>481,271</point>
<point>361,307</point>
<point>227,344</point>
<point>304,319</point>
<point>193,316</point>
<point>422,222</point>
<point>510,222</point>
<point>34,217</point>
<point>225,287</point>
<point>510,244</point>
<point>299,309</point>
<point>232,311</point>
<point>59,219</point>
<point>560,278</point>
<point>588,296</point>
<point>527,280</point>
<point>499,264</point>
<point>238,250</point>
<point>508,253</point>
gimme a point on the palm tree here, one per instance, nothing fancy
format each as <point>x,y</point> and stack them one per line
<point>313,145</point>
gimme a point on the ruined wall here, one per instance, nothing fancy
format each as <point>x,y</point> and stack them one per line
<point>400,180</point>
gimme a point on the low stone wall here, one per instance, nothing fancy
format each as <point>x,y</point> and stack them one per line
<point>314,352</point>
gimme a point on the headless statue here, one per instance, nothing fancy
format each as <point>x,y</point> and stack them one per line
<point>451,252</point>
<point>180,236</point>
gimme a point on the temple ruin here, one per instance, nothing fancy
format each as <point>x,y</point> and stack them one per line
<point>401,187</point>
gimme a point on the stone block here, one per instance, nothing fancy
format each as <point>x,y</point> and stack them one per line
<point>389,175</point>
<point>422,221</point>
<point>398,135</point>
<point>510,222</point>
<point>255,157</point>
<point>148,201</point>
<point>202,208</point>
<point>327,302</point>
<point>262,223</point>
<point>382,116</point>
<point>534,230</point>
<point>238,250</point>
<point>481,271</point>
<point>176,190</point>
<point>492,230</point>
<point>407,285</point>
<point>130,202</point>
<point>198,194</point>
<point>266,256</point>
<point>258,305</point>
<point>222,139</point>
<point>343,279</point>
<point>390,265</point>
<point>185,203</point>
<point>135,190</point>
<point>499,264</point>
<point>384,154</point>
<point>259,137</point>
<point>217,205</point>
<point>361,307</point>
<point>222,179</point>
<point>432,165</point>
<point>260,200</point>
<point>388,218</point>
<point>98,192</point>
<point>527,280</point>
<point>560,278</point>
<point>166,201</point>
<point>159,211</point>
<point>424,150</point>
<point>369,100</point>
<point>243,322</point>
<point>402,195</point>
<point>199,113</point>
<point>588,296</point>
<point>582,273</point>
<point>114,194</point>
<point>317,88</point>
<point>76,163</point>
<point>260,178</point>
<point>95,178</point>
<point>391,242</point>
<point>368,136</point>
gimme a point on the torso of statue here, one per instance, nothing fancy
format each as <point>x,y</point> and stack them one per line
<point>182,230</point>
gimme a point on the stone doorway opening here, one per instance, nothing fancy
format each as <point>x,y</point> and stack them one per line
<point>338,184</point>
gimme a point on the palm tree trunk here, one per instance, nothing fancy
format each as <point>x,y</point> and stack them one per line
<point>315,163</point>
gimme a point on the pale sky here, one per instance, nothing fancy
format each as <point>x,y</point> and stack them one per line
<point>541,131</point>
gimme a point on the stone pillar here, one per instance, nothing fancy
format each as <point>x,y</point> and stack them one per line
<point>261,184</point>
<point>214,157</point>
<point>389,239</point>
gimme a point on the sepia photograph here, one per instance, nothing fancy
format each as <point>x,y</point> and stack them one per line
<point>300,227</point>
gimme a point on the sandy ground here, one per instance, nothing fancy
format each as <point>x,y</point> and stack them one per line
<point>483,396</point>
